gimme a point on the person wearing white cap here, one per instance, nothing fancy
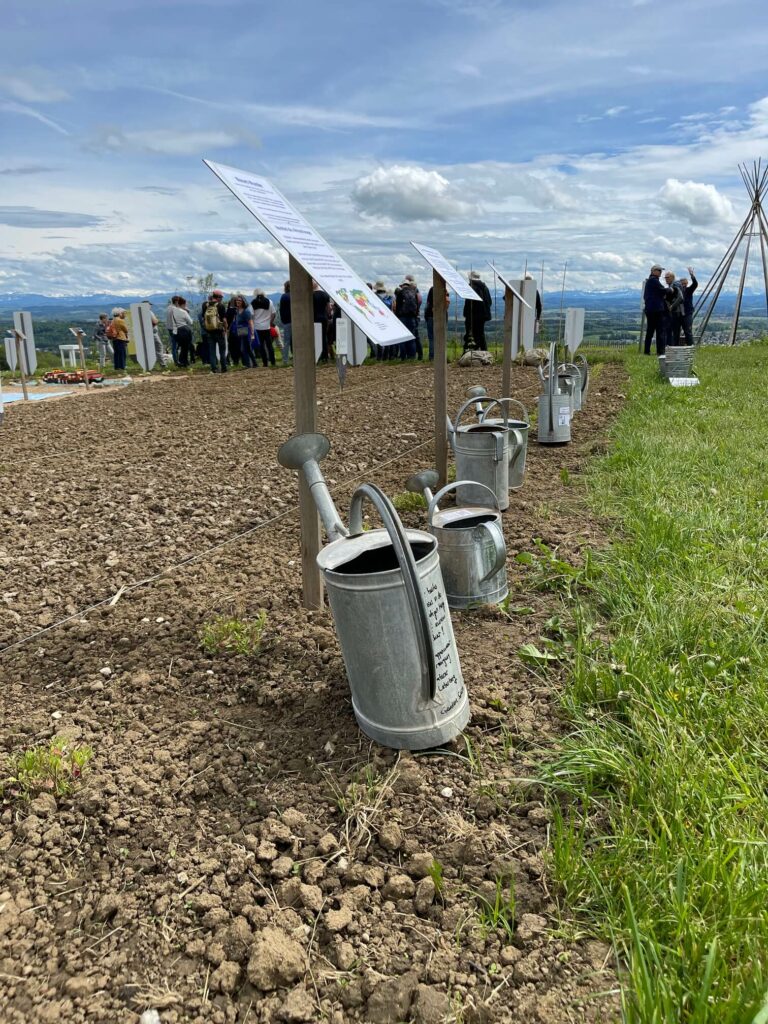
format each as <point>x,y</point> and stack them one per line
<point>654,301</point>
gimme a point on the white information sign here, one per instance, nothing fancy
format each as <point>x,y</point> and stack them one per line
<point>683,382</point>
<point>318,341</point>
<point>143,334</point>
<point>529,314</point>
<point>357,342</point>
<point>23,324</point>
<point>452,277</point>
<point>574,328</point>
<point>515,290</point>
<point>284,222</point>
<point>10,352</point>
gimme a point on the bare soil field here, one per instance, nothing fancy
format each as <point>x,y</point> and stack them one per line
<point>238,850</point>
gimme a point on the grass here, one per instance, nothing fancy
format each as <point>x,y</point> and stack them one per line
<point>56,768</point>
<point>497,912</point>
<point>238,636</point>
<point>660,833</point>
<point>409,501</point>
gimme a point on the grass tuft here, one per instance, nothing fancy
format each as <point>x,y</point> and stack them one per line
<point>238,636</point>
<point>56,767</point>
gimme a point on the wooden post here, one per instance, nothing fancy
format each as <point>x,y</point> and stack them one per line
<point>305,403</point>
<point>742,279</point>
<point>506,366</point>
<point>441,377</point>
<point>79,336</point>
<point>20,365</point>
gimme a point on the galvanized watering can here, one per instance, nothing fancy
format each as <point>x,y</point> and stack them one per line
<point>582,366</point>
<point>516,428</point>
<point>555,408</point>
<point>569,382</point>
<point>470,543</point>
<point>482,458</point>
<point>389,606</point>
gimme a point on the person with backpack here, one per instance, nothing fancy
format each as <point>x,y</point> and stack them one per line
<point>384,352</point>
<point>117,332</point>
<point>264,314</point>
<point>406,306</point>
<point>477,314</point>
<point>214,322</point>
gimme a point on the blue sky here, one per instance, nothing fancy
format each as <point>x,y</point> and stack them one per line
<point>604,134</point>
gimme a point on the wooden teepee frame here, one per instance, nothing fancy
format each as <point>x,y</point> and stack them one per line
<point>755,226</point>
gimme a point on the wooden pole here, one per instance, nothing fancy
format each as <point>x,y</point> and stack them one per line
<point>79,336</point>
<point>742,279</point>
<point>305,403</point>
<point>716,293</point>
<point>441,377</point>
<point>763,234</point>
<point>506,366</point>
<point>20,365</point>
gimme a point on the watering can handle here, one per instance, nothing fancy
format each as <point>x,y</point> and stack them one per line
<point>407,564</point>
<point>452,487</point>
<point>500,548</point>
<point>473,401</point>
<point>505,402</point>
<point>519,442</point>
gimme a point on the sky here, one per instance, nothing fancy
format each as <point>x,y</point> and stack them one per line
<point>604,134</point>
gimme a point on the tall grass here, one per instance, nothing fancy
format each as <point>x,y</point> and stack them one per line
<point>660,835</point>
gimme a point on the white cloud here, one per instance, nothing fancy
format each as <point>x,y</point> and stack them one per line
<point>171,142</point>
<point>695,202</point>
<point>408,193</point>
<point>241,255</point>
<point>34,88</point>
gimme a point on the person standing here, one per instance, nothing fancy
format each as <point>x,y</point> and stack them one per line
<point>263,317</point>
<point>688,287</point>
<point>102,341</point>
<point>214,320</point>
<point>654,303</point>
<point>119,339</point>
<point>383,352</point>
<point>406,307</point>
<point>170,328</point>
<point>321,303</point>
<point>285,320</point>
<point>242,329</point>
<point>182,330</point>
<point>477,314</point>
<point>673,313</point>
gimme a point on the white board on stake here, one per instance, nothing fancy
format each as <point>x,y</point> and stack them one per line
<point>516,288</point>
<point>23,324</point>
<point>284,222</point>
<point>318,341</point>
<point>449,274</point>
<point>10,352</point>
<point>143,335</point>
<point>574,328</point>
<point>529,314</point>
<point>357,342</point>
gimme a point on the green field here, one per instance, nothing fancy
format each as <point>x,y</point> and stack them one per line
<point>660,793</point>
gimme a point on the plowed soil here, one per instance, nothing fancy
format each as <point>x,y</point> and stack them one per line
<point>237,849</point>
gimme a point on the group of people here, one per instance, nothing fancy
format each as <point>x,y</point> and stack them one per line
<point>668,309</point>
<point>248,331</point>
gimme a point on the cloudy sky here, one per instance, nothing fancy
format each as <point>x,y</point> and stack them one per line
<point>607,134</point>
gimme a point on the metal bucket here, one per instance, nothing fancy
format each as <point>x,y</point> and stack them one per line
<point>570,375</point>
<point>389,605</point>
<point>555,409</point>
<point>582,366</point>
<point>518,440</point>
<point>677,361</point>
<point>482,457</point>
<point>472,551</point>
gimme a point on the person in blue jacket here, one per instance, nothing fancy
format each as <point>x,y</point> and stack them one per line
<point>689,287</point>
<point>654,294</point>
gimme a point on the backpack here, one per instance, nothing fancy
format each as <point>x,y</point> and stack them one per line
<point>260,302</point>
<point>211,320</point>
<point>111,332</point>
<point>407,301</point>
<point>386,299</point>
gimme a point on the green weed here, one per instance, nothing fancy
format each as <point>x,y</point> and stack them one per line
<point>238,636</point>
<point>55,768</point>
<point>498,912</point>
<point>409,501</point>
<point>436,874</point>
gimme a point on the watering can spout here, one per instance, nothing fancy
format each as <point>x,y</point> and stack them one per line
<point>423,483</point>
<point>304,452</point>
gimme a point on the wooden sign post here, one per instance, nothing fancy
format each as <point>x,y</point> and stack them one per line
<point>79,333</point>
<point>443,273</point>
<point>440,327</point>
<point>305,404</point>
<point>310,258</point>
<point>513,319</point>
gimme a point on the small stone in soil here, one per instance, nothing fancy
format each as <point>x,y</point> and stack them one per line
<point>447,792</point>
